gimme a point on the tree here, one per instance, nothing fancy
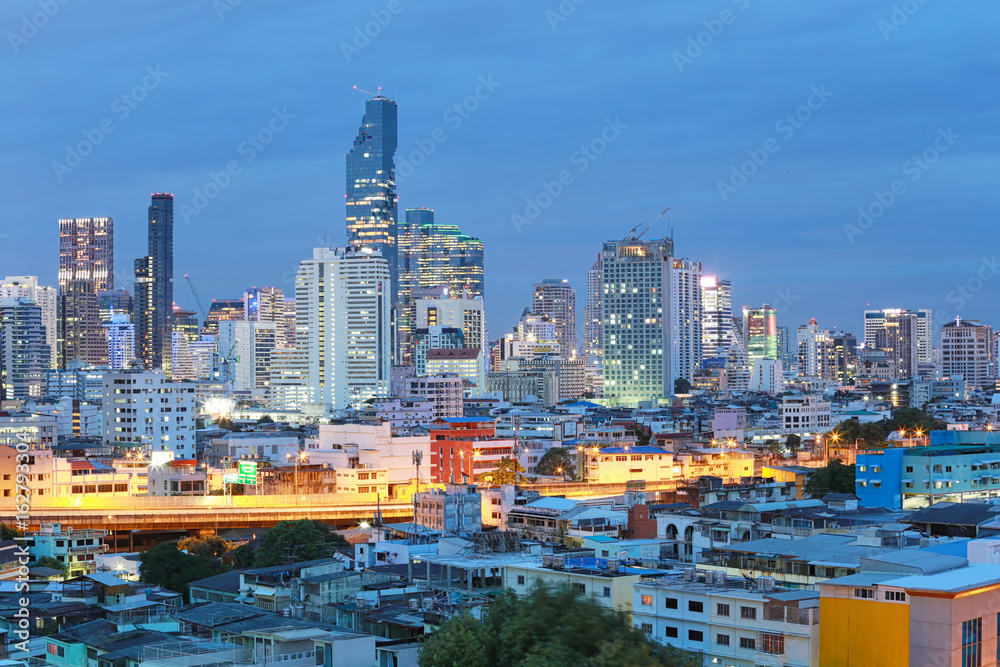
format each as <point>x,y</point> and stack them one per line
<point>847,431</point>
<point>243,556</point>
<point>834,478</point>
<point>208,549</point>
<point>682,386</point>
<point>8,532</point>
<point>913,419</point>
<point>165,566</point>
<point>266,419</point>
<point>793,442</point>
<point>505,472</point>
<point>52,562</point>
<point>872,434</point>
<point>555,459</point>
<point>551,626</point>
<point>297,541</point>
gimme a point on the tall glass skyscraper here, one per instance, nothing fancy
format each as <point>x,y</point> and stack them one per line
<point>433,255</point>
<point>154,288</point>
<point>717,316</point>
<point>760,333</point>
<point>371,183</point>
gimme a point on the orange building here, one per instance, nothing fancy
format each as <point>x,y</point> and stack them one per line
<point>466,448</point>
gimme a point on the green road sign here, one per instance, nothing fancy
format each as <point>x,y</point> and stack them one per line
<point>248,473</point>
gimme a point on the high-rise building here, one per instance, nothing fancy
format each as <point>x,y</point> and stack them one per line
<point>685,318</point>
<point>463,313</point>
<point>557,299</point>
<point>816,352</point>
<point>181,362</point>
<point>24,354</point>
<point>371,184</point>
<point>268,305</point>
<point>845,354</point>
<point>967,351</point>
<point>434,338</point>
<point>760,333</point>
<point>717,316</point>
<point>223,310</point>
<point>343,301</point>
<point>120,337</point>
<point>81,336</point>
<point>145,408</point>
<point>154,288</point>
<point>433,255</point>
<point>250,345</point>
<point>87,252</point>
<point>118,301</point>
<point>899,332</point>
<point>636,320</point>
<point>787,350</point>
<point>46,298</point>
<point>186,322</point>
<point>593,340</point>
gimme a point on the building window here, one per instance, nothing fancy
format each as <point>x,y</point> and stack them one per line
<point>749,643</point>
<point>865,593</point>
<point>520,580</point>
<point>722,609</point>
<point>722,640</point>
<point>647,600</point>
<point>607,592</point>
<point>773,644</point>
<point>895,596</point>
<point>670,603</point>
<point>696,606</point>
<point>972,642</point>
<point>696,636</point>
<point>647,628</point>
<point>577,586</point>
<point>749,613</point>
<point>670,632</point>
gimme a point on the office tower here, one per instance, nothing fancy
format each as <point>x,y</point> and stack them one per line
<point>288,323</point>
<point>186,322</point>
<point>534,336</point>
<point>180,357</point>
<point>87,252</point>
<point>816,352</point>
<point>434,338</point>
<point>249,345</point>
<point>717,316</point>
<point>223,310</point>
<point>46,298</point>
<point>145,408</point>
<point>845,355</point>
<point>118,301</point>
<point>896,331</point>
<point>760,333</point>
<point>371,184</point>
<point>204,357</point>
<point>464,313</point>
<point>81,336</point>
<point>787,350</point>
<point>466,363</point>
<point>636,320</point>
<point>343,301</point>
<point>592,332</point>
<point>24,354</point>
<point>923,329</point>
<point>154,288</point>
<point>433,255</point>
<point>767,376</point>
<point>967,352</point>
<point>685,318</point>
<point>557,299</point>
<point>120,337</point>
<point>289,388</point>
<point>268,305</point>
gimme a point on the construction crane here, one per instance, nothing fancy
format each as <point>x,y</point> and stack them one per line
<point>632,236</point>
<point>197,299</point>
<point>225,360</point>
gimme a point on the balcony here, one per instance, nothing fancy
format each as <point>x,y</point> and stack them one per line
<point>89,549</point>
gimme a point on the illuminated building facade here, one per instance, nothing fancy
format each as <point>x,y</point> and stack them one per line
<point>557,299</point>
<point>87,252</point>
<point>593,338</point>
<point>154,288</point>
<point>46,298</point>
<point>717,316</point>
<point>685,318</point>
<point>760,333</point>
<point>24,355</point>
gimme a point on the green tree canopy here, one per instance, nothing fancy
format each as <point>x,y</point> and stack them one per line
<point>913,419</point>
<point>834,478</point>
<point>682,386</point>
<point>504,472</point>
<point>50,561</point>
<point>556,458</point>
<point>8,532</point>
<point>551,626</point>
<point>793,442</point>
<point>165,566</point>
<point>243,556</point>
<point>208,549</point>
<point>266,419</point>
<point>849,431</point>
<point>297,541</point>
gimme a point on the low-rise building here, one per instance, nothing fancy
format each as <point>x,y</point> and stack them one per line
<point>76,549</point>
<point>456,509</point>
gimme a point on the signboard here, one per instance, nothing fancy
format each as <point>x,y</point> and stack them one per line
<point>231,479</point>
<point>248,473</point>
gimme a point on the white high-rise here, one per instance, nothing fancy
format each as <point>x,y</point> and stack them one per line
<point>120,334</point>
<point>557,299</point>
<point>145,408</point>
<point>465,314</point>
<point>967,351</point>
<point>816,352</point>
<point>922,326</point>
<point>593,340</point>
<point>46,298</point>
<point>343,299</point>
<point>249,345</point>
<point>685,318</point>
<point>717,316</point>
<point>267,305</point>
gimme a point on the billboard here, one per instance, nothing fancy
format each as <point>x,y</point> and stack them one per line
<point>248,473</point>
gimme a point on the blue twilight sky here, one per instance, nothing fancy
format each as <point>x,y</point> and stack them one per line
<point>681,91</point>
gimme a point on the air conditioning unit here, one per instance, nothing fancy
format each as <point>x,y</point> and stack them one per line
<point>414,604</point>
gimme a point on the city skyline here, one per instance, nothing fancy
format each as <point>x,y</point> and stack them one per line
<point>836,160</point>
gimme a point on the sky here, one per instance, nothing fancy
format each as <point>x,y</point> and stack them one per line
<point>825,158</point>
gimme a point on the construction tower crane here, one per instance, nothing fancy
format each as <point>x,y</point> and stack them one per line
<point>225,360</point>
<point>632,236</point>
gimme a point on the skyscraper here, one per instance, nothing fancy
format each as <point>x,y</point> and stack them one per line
<point>717,316</point>
<point>557,299</point>
<point>87,252</point>
<point>120,337</point>
<point>433,255</point>
<point>967,352</point>
<point>81,336</point>
<point>685,318</point>
<point>462,313</point>
<point>816,352</point>
<point>267,305</point>
<point>343,301</point>
<point>46,298</point>
<point>252,343</point>
<point>916,334</point>
<point>760,333</point>
<point>24,355</point>
<point>593,340</point>
<point>154,288</point>
<point>636,320</point>
<point>371,184</point>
